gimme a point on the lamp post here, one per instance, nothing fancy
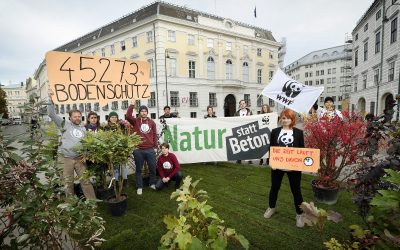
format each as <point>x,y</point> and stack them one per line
<point>385,20</point>
<point>166,75</point>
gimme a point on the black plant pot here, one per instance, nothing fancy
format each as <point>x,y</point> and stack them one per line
<point>325,195</point>
<point>118,208</point>
<point>104,194</point>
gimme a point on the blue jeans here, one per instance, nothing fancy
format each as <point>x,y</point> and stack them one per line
<point>177,178</point>
<point>124,171</point>
<point>148,155</point>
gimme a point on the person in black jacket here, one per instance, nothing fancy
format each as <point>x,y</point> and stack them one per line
<point>286,136</point>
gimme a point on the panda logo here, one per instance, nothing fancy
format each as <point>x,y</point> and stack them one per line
<point>77,133</point>
<point>167,165</point>
<point>145,128</point>
<point>265,120</point>
<point>292,88</point>
<point>286,139</point>
<point>308,161</point>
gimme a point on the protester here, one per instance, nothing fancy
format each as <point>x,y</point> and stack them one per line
<point>92,122</point>
<point>210,113</point>
<point>329,110</point>
<point>146,151</point>
<point>243,111</point>
<point>265,109</point>
<point>286,136</point>
<point>168,168</point>
<point>72,131</point>
<point>167,113</point>
<point>113,124</point>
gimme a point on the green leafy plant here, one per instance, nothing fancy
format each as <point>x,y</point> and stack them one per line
<point>111,148</point>
<point>36,214</point>
<point>318,216</point>
<point>360,239</point>
<point>197,226</point>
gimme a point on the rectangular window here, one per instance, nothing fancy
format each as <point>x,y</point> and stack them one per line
<point>171,36</point>
<point>393,31</point>
<point>247,99</point>
<point>151,63</point>
<point>245,50</point>
<point>317,73</point>
<point>333,80</point>
<point>259,51</point>
<point>365,51</point>
<point>306,82</point>
<point>194,102</point>
<point>322,72</point>
<point>192,69</point>
<point>271,103</point>
<point>174,98</point>
<point>321,98</point>
<point>259,75</point>
<point>134,42</point>
<point>124,104</point>
<point>329,71</point>
<point>310,83</point>
<point>376,76</point>
<point>103,52</point>
<point>329,81</point>
<point>355,84</point>
<point>377,42</point>
<point>122,45</point>
<point>366,27</point>
<point>149,35</point>
<point>212,99</point>
<point>310,74</point>
<point>333,70</point>
<point>114,105</point>
<point>96,106</point>
<point>190,39</point>
<point>306,74</point>
<point>364,81</point>
<point>138,103</point>
<point>378,14</point>
<point>210,43</point>
<point>228,46</point>
<point>316,82</point>
<point>172,67</point>
<point>391,71</point>
<point>271,56</point>
<point>322,81</point>
<point>271,75</point>
<point>112,48</point>
<point>193,115</point>
<point>260,100</point>
<point>153,116</point>
<point>152,100</point>
<point>372,107</point>
<point>356,58</point>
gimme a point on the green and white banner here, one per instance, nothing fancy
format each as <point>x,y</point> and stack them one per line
<point>220,139</point>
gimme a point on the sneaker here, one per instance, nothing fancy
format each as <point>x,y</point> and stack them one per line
<point>299,220</point>
<point>139,191</point>
<point>152,186</point>
<point>269,212</point>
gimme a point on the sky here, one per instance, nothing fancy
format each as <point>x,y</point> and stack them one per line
<point>28,29</point>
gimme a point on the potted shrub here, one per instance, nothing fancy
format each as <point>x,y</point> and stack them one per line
<point>111,148</point>
<point>341,142</point>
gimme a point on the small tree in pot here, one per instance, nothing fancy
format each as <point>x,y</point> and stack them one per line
<point>341,142</point>
<point>111,148</point>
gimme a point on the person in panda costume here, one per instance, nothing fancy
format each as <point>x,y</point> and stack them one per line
<point>286,136</point>
<point>168,168</point>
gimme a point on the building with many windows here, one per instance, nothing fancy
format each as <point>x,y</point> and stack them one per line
<point>196,59</point>
<point>329,68</point>
<point>376,57</point>
<point>16,98</point>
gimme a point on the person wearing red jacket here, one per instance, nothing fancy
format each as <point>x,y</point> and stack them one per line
<point>168,168</point>
<point>146,151</point>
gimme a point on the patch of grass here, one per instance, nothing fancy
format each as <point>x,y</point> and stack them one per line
<point>239,195</point>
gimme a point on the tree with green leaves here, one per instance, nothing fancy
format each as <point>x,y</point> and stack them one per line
<point>3,103</point>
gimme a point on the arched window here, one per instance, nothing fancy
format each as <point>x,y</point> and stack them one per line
<point>210,68</point>
<point>228,70</point>
<point>335,53</point>
<point>245,72</point>
<point>325,55</point>
<point>315,57</point>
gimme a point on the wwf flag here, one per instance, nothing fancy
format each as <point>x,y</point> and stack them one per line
<point>291,93</point>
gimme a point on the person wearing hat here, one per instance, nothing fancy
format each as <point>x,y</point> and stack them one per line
<point>146,150</point>
<point>329,110</point>
<point>167,113</point>
<point>113,124</point>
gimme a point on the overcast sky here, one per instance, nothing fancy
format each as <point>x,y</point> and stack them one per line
<point>28,29</point>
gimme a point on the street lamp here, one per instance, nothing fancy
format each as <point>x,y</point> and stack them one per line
<point>166,75</point>
<point>385,20</point>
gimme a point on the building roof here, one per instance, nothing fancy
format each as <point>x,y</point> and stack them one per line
<point>368,13</point>
<point>156,8</point>
<point>12,86</point>
<point>322,55</point>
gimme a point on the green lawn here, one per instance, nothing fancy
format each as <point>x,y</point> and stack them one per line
<point>239,195</point>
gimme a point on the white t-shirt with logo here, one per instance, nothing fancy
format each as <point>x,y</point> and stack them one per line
<point>285,138</point>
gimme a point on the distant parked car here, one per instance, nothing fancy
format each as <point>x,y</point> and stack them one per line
<point>5,121</point>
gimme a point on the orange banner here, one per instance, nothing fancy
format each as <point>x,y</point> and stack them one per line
<point>299,159</point>
<point>76,78</point>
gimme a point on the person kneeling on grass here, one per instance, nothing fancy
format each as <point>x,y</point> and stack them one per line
<point>168,168</point>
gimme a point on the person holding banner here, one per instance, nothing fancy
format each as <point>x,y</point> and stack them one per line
<point>146,151</point>
<point>264,110</point>
<point>72,131</point>
<point>210,112</point>
<point>243,111</point>
<point>168,168</point>
<point>286,136</point>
